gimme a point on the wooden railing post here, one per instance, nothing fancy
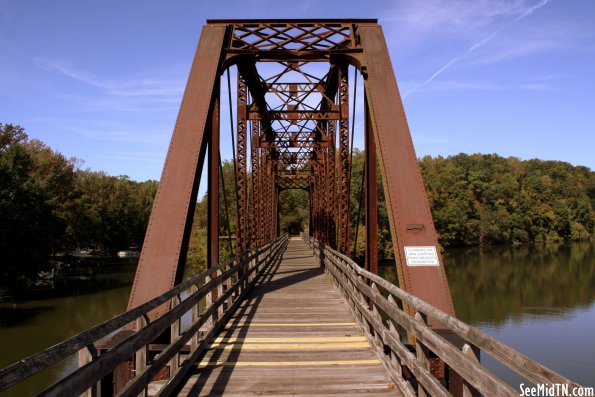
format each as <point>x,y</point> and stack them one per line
<point>468,390</point>
<point>140,359</point>
<point>395,333</point>
<point>379,316</point>
<point>422,353</point>
<point>174,335</point>
<point>85,357</point>
<point>194,318</point>
<point>208,303</point>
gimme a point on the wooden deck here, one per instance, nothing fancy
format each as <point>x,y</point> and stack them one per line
<point>284,329</point>
<point>293,335</point>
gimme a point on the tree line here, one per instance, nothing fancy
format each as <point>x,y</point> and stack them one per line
<point>486,199</point>
<point>49,206</point>
<point>478,199</point>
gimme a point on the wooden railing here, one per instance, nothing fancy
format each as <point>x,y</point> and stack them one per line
<point>378,306</point>
<point>208,311</point>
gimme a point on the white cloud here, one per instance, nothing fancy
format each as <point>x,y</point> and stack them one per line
<point>452,85</point>
<point>126,136</point>
<point>154,157</point>
<point>482,15</point>
<point>414,21</point>
<point>128,88</point>
<point>160,106</point>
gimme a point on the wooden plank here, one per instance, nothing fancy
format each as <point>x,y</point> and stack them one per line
<point>30,365</point>
<point>293,335</point>
<point>524,366</point>
<point>288,363</point>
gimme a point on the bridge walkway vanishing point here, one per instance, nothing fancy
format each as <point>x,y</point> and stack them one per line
<point>293,335</point>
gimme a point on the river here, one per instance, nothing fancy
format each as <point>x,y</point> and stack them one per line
<point>539,300</point>
<point>48,316</point>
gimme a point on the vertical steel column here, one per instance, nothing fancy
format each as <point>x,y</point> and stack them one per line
<point>265,190</point>
<point>314,206</point>
<point>271,198</point>
<point>344,219</point>
<point>319,203</point>
<point>213,189</point>
<point>277,210</point>
<point>332,182</point>
<point>371,217</point>
<point>272,202</point>
<point>241,182</point>
<point>255,158</point>
<point>407,204</point>
<point>261,200</point>
<point>328,208</point>
<point>266,175</point>
<point>325,199</point>
<point>310,218</point>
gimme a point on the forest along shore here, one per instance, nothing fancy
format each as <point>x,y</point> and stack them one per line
<point>50,206</point>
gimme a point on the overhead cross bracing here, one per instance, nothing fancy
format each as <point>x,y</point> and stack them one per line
<point>292,125</point>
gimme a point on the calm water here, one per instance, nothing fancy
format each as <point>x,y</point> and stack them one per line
<point>50,316</point>
<point>539,300</point>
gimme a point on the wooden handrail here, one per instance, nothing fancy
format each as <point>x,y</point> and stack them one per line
<point>360,288</point>
<point>238,270</point>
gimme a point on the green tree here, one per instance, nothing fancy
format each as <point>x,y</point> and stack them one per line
<point>27,218</point>
<point>48,205</point>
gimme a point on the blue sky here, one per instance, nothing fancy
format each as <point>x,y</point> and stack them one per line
<point>103,80</point>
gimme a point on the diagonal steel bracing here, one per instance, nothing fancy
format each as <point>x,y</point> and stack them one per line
<point>293,132</point>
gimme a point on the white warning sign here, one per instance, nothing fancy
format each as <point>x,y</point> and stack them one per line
<point>421,256</point>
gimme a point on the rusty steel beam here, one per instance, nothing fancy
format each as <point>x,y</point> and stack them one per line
<point>270,200</point>
<point>274,37</point>
<point>320,199</point>
<point>163,256</point>
<point>273,198</point>
<point>371,192</point>
<point>265,196</point>
<point>294,115</point>
<point>298,139</point>
<point>309,21</point>
<point>262,203</point>
<point>213,188</point>
<point>247,68</point>
<point>286,144</point>
<point>409,213</point>
<point>291,140</point>
<point>326,199</point>
<point>332,184</point>
<point>344,163</point>
<point>255,160</point>
<point>241,173</point>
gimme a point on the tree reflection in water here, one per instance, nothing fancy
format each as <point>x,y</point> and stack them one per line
<point>539,299</point>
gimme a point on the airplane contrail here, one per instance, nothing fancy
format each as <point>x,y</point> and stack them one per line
<point>477,45</point>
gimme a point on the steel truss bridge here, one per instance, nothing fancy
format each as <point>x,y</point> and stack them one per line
<point>288,315</point>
